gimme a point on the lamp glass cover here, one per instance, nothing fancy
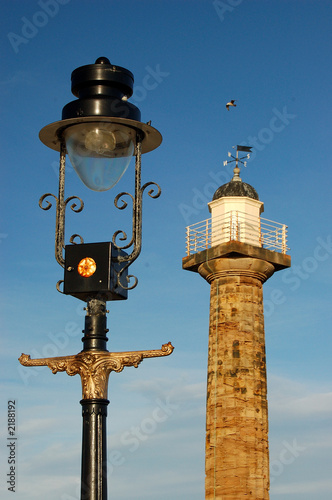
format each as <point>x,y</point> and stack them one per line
<point>86,267</point>
<point>100,152</point>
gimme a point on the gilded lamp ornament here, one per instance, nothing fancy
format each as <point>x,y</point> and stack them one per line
<point>94,367</point>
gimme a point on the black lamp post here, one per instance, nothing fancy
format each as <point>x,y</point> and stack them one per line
<point>100,131</point>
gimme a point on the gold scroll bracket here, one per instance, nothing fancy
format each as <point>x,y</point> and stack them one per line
<point>94,367</point>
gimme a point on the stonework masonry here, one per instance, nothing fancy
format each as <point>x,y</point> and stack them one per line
<point>237,452</point>
<point>237,461</point>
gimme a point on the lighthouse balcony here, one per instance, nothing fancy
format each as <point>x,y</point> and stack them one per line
<point>236,226</point>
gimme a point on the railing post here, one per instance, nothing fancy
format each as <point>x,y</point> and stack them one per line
<point>207,234</point>
<point>284,239</point>
<point>188,240</point>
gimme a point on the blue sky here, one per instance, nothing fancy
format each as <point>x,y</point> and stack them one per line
<point>272,56</point>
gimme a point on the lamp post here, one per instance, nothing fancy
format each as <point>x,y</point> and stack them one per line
<point>100,131</point>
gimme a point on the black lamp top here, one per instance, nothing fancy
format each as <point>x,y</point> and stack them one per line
<point>102,77</point>
<point>103,90</point>
<point>102,60</point>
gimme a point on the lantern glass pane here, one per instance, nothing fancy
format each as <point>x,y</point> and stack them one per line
<point>100,152</point>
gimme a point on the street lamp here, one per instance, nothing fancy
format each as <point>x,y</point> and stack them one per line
<point>100,131</point>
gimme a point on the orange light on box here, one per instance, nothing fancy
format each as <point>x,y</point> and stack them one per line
<point>86,267</point>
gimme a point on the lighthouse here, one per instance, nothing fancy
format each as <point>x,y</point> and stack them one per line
<point>236,251</point>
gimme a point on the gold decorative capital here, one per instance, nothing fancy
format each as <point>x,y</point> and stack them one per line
<point>94,367</point>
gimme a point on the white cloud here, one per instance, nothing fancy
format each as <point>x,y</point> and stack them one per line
<point>304,487</point>
<point>292,399</point>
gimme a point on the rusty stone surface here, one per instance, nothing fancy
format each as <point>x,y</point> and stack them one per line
<point>237,453</point>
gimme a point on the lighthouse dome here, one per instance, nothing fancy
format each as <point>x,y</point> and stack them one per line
<point>235,188</point>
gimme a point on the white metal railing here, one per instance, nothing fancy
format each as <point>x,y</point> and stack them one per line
<point>236,226</point>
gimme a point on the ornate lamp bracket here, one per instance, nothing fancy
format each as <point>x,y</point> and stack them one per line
<point>136,239</point>
<point>61,205</point>
<point>94,367</point>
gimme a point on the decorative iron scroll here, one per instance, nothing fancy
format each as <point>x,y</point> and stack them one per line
<point>77,205</point>
<point>61,205</point>
<point>136,238</point>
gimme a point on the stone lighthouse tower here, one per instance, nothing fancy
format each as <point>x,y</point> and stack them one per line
<point>236,251</point>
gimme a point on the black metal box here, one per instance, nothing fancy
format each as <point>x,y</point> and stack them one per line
<point>91,269</point>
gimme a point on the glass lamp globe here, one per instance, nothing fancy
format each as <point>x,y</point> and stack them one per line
<point>100,152</point>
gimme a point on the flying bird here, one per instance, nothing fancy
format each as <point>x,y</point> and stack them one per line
<point>230,103</point>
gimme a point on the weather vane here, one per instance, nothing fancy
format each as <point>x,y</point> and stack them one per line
<point>246,149</point>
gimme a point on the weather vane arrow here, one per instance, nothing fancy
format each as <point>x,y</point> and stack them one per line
<point>237,160</point>
<point>246,149</point>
